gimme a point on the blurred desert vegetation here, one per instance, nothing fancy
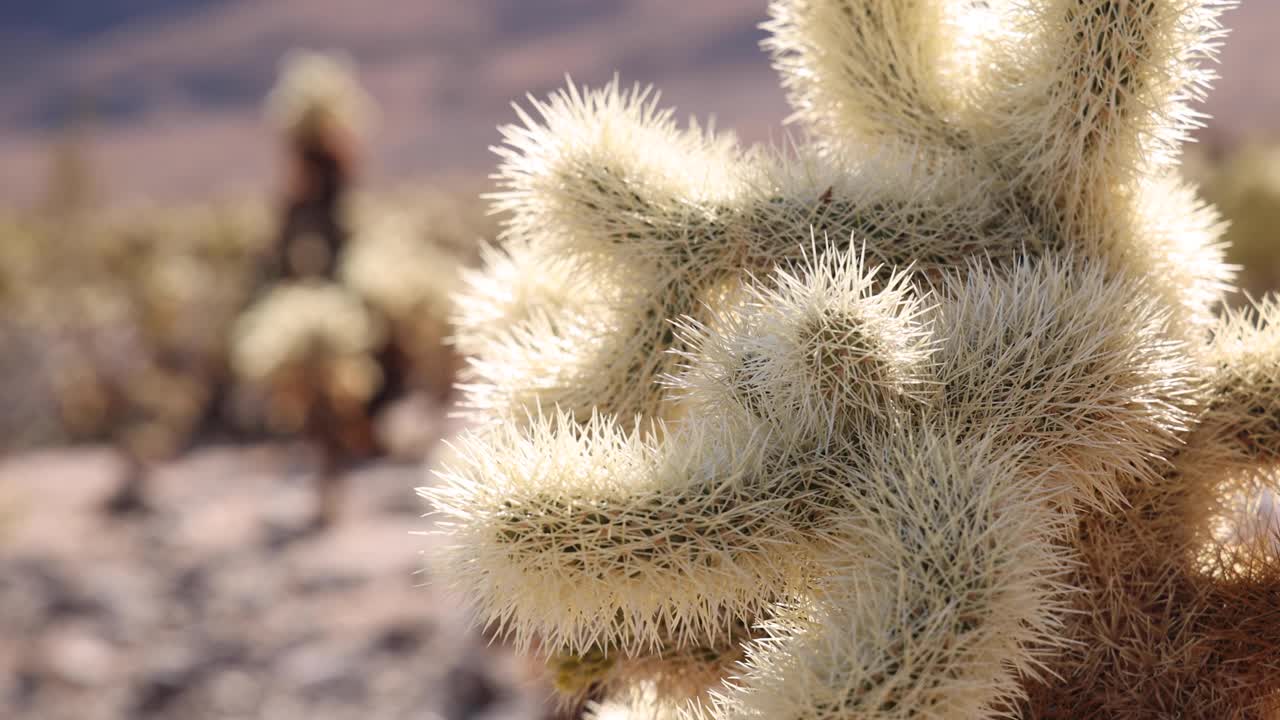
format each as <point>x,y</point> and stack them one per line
<point>157,363</point>
<point>1243,181</point>
<point>117,324</point>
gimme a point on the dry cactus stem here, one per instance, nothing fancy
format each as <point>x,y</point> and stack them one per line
<point>926,416</point>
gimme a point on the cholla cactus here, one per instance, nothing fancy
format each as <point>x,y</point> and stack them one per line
<point>312,347</point>
<point>411,282</point>
<point>318,330</point>
<point>295,319</point>
<point>926,417</point>
<point>318,90</point>
<point>398,272</point>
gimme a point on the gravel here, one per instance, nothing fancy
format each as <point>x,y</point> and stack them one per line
<point>215,606</point>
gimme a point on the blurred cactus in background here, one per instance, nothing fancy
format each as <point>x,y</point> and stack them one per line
<point>153,281</point>
<point>320,109</point>
<point>406,258</point>
<point>312,347</point>
<point>318,93</point>
<point>310,323</point>
<point>1245,187</point>
<point>354,293</point>
<point>127,313</point>
<point>928,415</point>
<point>308,342</point>
<point>184,276</point>
<point>118,321</point>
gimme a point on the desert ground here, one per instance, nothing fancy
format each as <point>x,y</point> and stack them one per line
<point>215,606</point>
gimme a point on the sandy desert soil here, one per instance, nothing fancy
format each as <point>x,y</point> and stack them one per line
<point>212,608</point>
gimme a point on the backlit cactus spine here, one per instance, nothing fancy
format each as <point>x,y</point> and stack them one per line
<point>927,416</point>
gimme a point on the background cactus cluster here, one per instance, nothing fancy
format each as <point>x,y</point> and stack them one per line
<point>391,292</point>
<point>927,414</point>
<point>107,295</point>
<point>355,296</point>
<point>117,318</point>
<point>1244,184</point>
<point>126,313</point>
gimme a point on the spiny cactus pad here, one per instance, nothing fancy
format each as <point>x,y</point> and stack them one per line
<point>925,415</point>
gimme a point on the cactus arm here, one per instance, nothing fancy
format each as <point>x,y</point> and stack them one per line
<point>656,235</point>
<point>899,215</point>
<point>944,597</point>
<point>865,72</point>
<point>1058,354</point>
<point>608,179</point>
<point>605,180</point>
<point>1241,425</point>
<point>1171,240</point>
<point>600,169</point>
<point>519,282</point>
<point>602,354</point>
<point>1099,94</point>
<point>587,536</point>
